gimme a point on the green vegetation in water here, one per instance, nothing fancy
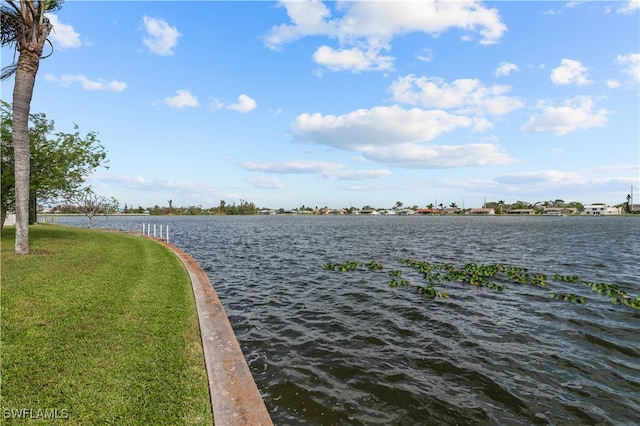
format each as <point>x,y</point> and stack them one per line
<point>102,327</point>
<point>491,276</point>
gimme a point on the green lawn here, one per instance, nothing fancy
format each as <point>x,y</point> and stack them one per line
<point>99,327</point>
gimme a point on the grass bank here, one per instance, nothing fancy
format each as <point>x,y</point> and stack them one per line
<point>99,327</point>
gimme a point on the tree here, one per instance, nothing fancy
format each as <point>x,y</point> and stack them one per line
<point>87,202</point>
<point>59,162</point>
<point>24,27</point>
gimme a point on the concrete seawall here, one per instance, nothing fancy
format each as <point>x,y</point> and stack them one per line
<point>235,398</point>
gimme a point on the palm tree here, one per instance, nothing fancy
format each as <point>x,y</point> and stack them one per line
<point>24,27</point>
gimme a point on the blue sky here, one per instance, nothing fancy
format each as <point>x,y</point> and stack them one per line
<point>345,104</point>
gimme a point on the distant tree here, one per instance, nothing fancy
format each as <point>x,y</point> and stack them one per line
<point>520,205</point>
<point>25,28</point>
<point>398,205</point>
<point>87,202</point>
<point>453,205</point>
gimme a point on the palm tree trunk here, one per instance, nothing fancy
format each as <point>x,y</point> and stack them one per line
<point>25,78</point>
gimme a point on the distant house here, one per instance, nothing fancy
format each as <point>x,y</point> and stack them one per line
<point>559,211</point>
<point>482,211</point>
<point>338,211</point>
<point>450,210</point>
<point>425,211</point>
<point>601,210</point>
<point>635,208</point>
<point>521,211</point>
<point>405,212</point>
<point>369,211</point>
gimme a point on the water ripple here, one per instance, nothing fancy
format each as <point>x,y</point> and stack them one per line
<point>331,348</point>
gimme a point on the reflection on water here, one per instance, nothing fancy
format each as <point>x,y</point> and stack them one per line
<point>337,348</point>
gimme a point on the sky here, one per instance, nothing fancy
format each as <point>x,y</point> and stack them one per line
<point>343,104</point>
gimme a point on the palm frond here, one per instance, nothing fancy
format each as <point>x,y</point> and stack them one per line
<point>8,71</point>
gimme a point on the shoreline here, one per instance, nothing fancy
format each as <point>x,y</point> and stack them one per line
<point>235,398</point>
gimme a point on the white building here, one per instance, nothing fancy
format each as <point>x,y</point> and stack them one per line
<point>601,210</point>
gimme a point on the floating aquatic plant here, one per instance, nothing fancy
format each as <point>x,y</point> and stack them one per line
<point>492,276</point>
<point>569,297</point>
<point>431,293</point>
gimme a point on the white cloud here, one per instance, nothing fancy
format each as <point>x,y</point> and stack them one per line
<point>63,35</point>
<point>631,65</point>
<point>426,55</point>
<point>266,183</point>
<point>413,155</point>
<point>463,95</point>
<point>613,84</point>
<point>355,59</point>
<point>575,114</point>
<point>570,72</point>
<point>326,169</point>
<point>182,99</point>
<point>245,104</point>
<point>587,182</point>
<point>377,126</point>
<point>370,26</point>
<point>86,83</point>
<point>395,136</point>
<point>630,7</point>
<point>160,37</point>
<point>545,176</point>
<point>295,166</point>
<point>141,183</point>
<point>505,69</point>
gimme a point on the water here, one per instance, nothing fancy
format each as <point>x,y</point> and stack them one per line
<point>343,348</point>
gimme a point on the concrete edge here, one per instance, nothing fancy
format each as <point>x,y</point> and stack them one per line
<point>235,398</point>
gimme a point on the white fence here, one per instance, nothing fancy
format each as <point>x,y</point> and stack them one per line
<point>156,231</point>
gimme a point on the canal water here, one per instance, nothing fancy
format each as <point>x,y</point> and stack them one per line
<point>344,348</point>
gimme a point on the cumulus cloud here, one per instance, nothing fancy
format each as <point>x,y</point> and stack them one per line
<point>505,69</point>
<point>326,169</point>
<point>395,136</point>
<point>377,126</point>
<point>575,114</point>
<point>629,7</point>
<point>160,37</point>
<point>630,65</point>
<point>370,26</point>
<point>182,99</point>
<point>570,72</point>
<point>63,35</point>
<point>463,95</point>
<point>244,104</point>
<point>354,59</point>
<point>87,83</point>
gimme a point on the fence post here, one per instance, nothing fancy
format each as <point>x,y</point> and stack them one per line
<point>167,234</point>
